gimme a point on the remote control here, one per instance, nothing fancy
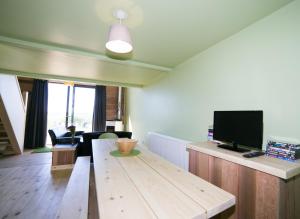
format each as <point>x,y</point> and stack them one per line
<point>254,154</point>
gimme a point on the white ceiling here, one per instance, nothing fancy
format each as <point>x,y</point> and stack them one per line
<point>165,33</point>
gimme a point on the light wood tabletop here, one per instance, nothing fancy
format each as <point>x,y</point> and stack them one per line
<point>147,186</point>
<point>274,166</point>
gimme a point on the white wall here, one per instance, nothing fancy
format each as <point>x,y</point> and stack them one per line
<point>12,98</point>
<point>257,68</point>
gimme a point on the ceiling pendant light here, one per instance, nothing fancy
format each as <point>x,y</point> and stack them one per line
<point>119,40</point>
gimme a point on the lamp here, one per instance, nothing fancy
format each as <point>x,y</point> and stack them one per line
<point>119,40</point>
<point>69,83</point>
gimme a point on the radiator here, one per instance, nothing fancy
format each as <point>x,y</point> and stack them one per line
<point>172,149</point>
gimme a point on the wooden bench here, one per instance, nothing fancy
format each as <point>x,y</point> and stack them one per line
<point>75,200</point>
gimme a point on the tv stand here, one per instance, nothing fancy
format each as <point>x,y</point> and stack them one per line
<point>264,187</point>
<point>233,148</point>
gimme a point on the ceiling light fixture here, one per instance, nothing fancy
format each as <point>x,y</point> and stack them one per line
<point>69,83</point>
<point>119,40</point>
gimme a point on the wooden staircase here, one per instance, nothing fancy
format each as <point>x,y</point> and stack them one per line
<point>6,147</point>
<point>12,116</point>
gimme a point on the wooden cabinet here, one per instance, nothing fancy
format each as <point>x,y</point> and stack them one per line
<point>63,156</point>
<point>259,195</point>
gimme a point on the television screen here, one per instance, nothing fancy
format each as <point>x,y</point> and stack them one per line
<point>239,127</point>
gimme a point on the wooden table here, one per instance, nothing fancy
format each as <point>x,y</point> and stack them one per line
<point>63,156</point>
<point>147,186</point>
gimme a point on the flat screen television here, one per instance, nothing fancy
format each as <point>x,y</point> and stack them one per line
<point>237,128</point>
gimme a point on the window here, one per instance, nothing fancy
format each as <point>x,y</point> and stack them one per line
<point>83,108</point>
<point>57,99</point>
<point>70,105</point>
<point>74,105</point>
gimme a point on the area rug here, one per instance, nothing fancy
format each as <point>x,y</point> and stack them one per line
<point>42,150</point>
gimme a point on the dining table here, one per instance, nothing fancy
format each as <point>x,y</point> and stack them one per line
<point>148,186</point>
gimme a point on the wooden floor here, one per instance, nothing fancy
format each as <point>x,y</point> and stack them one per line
<point>28,189</point>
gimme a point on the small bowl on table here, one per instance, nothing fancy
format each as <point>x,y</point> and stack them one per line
<point>126,145</point>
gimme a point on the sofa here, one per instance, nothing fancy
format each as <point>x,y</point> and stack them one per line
<point>85,147</point>
<point>61,135</point>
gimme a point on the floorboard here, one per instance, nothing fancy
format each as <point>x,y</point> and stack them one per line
<point>27,159</point>
<point>28,189</point>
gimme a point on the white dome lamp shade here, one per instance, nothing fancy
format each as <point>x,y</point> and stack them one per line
<point>119,40</point>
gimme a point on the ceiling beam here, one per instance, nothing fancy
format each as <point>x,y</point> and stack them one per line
<point>98,56</point>
<point>65,78</point>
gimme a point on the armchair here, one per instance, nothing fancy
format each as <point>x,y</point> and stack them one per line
<point>61,135</point>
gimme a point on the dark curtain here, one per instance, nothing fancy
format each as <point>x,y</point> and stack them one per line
<point>99,117</point>
<point>36,119</point>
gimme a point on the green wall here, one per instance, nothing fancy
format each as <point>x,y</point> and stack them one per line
<point>257,68</point>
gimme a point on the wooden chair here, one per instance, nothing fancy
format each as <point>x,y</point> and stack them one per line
<point>108,135</point>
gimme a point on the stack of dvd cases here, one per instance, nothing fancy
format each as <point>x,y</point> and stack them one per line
<point>285,151</point>
<point>210,135</point>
